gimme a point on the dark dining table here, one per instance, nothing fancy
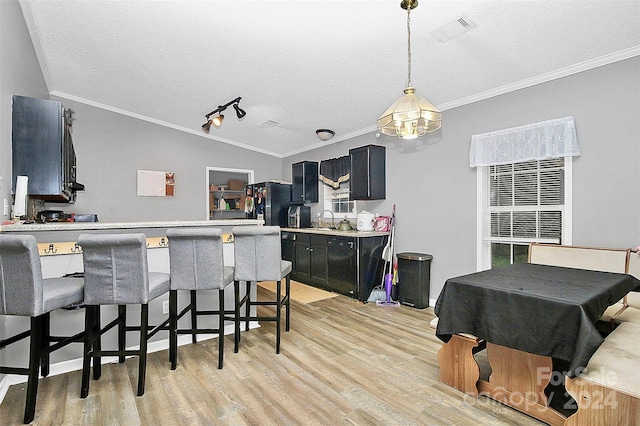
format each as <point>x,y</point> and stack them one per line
<point>543,310</point>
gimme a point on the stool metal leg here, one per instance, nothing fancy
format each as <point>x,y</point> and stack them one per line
<point>288,304</point>
<point>278,313</point>
<point>89,326</point>
<point>96,343</point>
<point>173,328</point>
<point>221,314</point>
<point>34,367</point>
<point>248,306</point>
<point>122,331</point>
<point>194,316</point>
<point>46,342</point>
<point>142,363</point>
<point>236,331</point>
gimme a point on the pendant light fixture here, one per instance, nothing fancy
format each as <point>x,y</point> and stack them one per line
<point>411,116</point>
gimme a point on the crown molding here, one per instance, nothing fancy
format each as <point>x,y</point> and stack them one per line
<point>543,78</point>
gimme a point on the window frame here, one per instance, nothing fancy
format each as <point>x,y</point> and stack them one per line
<point>327,204</point>
<point>483,246</point>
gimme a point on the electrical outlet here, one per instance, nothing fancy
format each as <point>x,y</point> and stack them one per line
<point>165,306</point>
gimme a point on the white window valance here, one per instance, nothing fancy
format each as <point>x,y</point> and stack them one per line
<point>538,141</point>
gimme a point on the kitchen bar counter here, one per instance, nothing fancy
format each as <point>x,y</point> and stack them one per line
<point>88,226</point>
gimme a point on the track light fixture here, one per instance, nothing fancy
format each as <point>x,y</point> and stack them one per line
<point>217,121</point>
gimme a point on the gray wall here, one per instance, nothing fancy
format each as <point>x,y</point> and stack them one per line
<point>110,148</point>
<point>21,75</point>
<point>429,179</point>
<point>434,188</point>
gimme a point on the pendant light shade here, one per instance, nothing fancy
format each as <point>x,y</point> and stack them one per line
<point>411,116</point>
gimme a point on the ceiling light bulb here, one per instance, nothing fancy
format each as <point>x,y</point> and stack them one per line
<point>217,121</point>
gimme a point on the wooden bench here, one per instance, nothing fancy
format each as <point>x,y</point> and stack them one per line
<point>608,391</point>
<point>628,309</point>
<point>596,259</point>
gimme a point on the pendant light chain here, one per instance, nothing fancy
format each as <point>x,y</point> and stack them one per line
<point>409,46</point>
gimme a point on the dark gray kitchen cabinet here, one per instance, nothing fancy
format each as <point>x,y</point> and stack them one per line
<point>342,265</point>
<point>42,149</point>
<point>310,264</point>
<point>304,187</point>
<point>345,264</point>
<point>367,178</point>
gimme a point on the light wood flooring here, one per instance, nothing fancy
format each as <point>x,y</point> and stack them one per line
<point>342,363</point>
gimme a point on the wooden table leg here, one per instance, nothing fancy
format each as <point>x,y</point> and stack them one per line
<point>458,367</point>
<point>518,379</point>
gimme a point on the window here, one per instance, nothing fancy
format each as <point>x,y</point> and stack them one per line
<point>337,201</point>
<point>521,203</point>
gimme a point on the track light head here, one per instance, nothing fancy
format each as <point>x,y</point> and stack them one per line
<point>207,126</point>
<point>239,111</point>
<point>217,121</point>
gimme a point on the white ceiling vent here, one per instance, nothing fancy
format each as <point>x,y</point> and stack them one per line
<point>453,29</point>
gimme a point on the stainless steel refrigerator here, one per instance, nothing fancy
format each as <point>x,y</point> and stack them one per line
<point>270,202</point>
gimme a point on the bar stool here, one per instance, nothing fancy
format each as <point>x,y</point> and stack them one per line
<point>116,273</point>
<point>24,292</point>
<point>197,263</point>
<point>257,252</point>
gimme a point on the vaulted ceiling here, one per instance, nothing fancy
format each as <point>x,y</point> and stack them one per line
<point>303,65</point>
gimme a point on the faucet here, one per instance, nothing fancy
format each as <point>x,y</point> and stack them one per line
<point>333,222</point>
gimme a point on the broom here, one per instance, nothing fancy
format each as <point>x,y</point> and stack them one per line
<point>379,293</point>
<point>389,256</point>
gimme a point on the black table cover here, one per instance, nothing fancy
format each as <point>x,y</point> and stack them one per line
<point>543,310</point>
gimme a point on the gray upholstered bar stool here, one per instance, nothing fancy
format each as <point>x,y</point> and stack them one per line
<point>116,273</point>
<point>257,252</point>
<point>197,263</point>
<point>24,292</point>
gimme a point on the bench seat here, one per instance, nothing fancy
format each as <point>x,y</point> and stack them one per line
<point>608,391</point>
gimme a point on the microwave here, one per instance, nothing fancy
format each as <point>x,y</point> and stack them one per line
<point>299,217</point>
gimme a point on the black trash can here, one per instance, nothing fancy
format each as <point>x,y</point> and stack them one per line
<point>413,278</point>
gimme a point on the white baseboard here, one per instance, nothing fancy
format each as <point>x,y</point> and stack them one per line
<point>76,364</point>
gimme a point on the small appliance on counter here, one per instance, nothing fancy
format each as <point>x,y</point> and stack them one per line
<point>299,217</point>
<point>84,217</point>
<point>53,216</point>
<point>365,221</point>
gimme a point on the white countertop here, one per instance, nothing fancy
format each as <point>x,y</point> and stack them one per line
<point>327,231</point>
<point>86,226</point>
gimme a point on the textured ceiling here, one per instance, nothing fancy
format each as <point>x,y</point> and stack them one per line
<point>311,64</point>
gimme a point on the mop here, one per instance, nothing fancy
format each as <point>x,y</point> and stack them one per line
<point>389,256</point>
<point>379,293</point>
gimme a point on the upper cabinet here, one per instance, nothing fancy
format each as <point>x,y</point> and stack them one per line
<point>367,179</point>
<point>305,182</point>
<point>42,149</point>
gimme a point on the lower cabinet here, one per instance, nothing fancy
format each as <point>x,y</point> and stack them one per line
<point>347,265</point>
<point>342,265</point>
<point>310,264</point>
